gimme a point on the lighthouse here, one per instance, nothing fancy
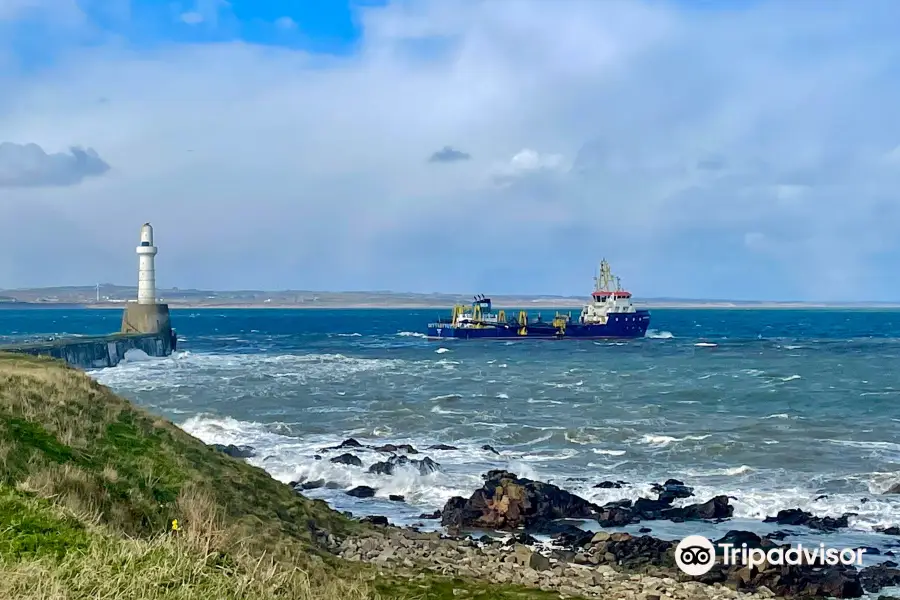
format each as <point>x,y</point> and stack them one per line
<point>146,266</point>
<point>147,316</point>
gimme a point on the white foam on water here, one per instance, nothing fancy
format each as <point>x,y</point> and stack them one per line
<point>445,398</point>
<point>442,411</point>
<point>759,492</point>
<point>192,369</point>
<point>666,440</point>
<point>289,459</point>
<point>441,350</point>
<point>655,334</point>
<point>414,334</point>
<point>136,355</point>
<point>705,345</point>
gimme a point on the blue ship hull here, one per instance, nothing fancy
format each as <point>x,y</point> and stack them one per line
<point>619,325</point>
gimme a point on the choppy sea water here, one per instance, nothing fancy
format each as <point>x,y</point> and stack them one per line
<point>775,408</point>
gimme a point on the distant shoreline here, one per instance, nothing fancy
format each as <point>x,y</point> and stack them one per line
<point>447,307</point>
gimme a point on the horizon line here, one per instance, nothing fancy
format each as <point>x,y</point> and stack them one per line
<point>177,290</point>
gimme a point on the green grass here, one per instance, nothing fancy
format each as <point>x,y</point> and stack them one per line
<point>32,530</point>
<point>63,435</point>
<point>90,484</point>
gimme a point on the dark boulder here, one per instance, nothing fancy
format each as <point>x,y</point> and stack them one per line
<point>236,451</point>
<point>793,581</point>
<point>348,443</point>
<point>737,537</point>
<point>506,501</point>
<point>397,448</point>
<point>672,490</point>
<point>716,508</point>
<point>396,498</point>
<point>795,516</point>
<point>876,577</point>
<point>521,538</point>
<point>894,530</point>
<point>361,491</point>
<point>441,447</point>
<point>894,489</point>
<point>617,514</point>
<point>426,466</point>
<point>489,448</point>
<point>609,485</point>
<point>388,467</point>
<point>382,468</point>
<point>435,515</point>
<point>312,485</point>
<point>633,552</point>
<point>563,534</point>
<point>650,509</point>
<point>375,520</point>
<point>347,459</point>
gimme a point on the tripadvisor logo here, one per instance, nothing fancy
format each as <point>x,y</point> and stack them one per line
<point>695,555</point>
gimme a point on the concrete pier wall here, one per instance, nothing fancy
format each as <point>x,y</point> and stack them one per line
<point>146,318</point>
<point>98,352</point>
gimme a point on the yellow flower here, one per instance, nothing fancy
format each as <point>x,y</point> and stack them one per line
<point>174,524</point>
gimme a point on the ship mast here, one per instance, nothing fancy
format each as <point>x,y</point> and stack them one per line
<point>605,275</point>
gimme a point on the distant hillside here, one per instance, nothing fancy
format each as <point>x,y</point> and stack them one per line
<point>114,295</point>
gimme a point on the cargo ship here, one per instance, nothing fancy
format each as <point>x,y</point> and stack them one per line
<point>609,314</point>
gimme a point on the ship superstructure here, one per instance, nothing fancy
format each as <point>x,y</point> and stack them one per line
<point>609,314</point>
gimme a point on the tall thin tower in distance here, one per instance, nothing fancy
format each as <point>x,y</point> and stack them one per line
<point>147,316</point>
<point>146,267</point>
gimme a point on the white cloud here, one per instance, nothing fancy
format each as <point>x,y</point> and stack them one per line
<point>191,18</point>
<point>285,23</point>
<point>204,11</point>
<point>529,160</point>
<point>654,137</point>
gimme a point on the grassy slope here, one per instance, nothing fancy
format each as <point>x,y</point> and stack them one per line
<point>90,484</point>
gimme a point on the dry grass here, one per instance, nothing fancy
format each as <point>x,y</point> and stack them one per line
<point>90,485</point>
<point>189,565</point>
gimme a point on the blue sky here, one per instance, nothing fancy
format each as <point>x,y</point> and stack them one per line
<point>745,149</point>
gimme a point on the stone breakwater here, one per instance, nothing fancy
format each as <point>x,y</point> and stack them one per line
<point>585,576</point>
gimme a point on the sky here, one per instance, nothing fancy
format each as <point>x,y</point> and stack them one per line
<point>725,150</point>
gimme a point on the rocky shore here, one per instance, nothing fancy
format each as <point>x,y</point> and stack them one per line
<point>580,563</point>
<point>586,575</point>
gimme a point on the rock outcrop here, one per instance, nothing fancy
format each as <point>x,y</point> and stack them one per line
<point>506,501</point>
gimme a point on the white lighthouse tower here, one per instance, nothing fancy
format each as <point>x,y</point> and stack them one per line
<point>147,316</point>
<point>146,266</point>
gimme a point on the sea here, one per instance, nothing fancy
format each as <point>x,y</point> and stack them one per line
<point>777,409</point>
